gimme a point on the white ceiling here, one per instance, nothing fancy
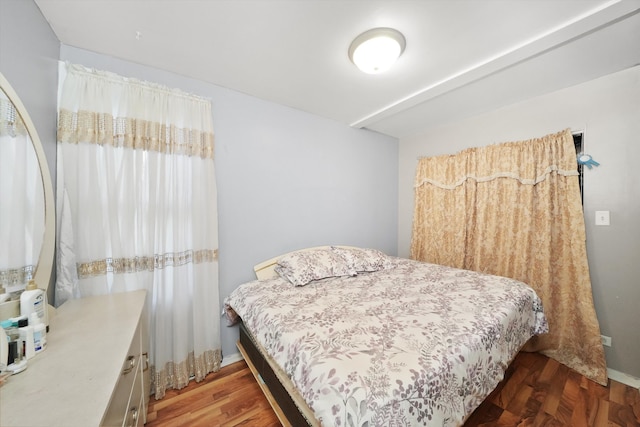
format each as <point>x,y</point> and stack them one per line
<point>462,57</point>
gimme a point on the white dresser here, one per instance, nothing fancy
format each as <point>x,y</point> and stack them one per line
<point>94,371</point>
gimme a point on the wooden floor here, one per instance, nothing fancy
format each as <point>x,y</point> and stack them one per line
<point>537,391</point>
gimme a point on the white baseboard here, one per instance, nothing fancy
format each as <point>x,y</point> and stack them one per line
<point>233,358</point>
<point>623,378</point>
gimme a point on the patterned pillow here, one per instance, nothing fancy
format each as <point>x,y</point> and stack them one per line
<point>361,259</point>
<point>302,267</point>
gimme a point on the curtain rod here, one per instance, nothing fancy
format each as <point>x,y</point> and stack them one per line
<point>573,133</point>
<point>121,80</point>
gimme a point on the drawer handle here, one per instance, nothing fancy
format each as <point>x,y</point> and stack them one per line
<point>130,366</point>
<point>145,359</point>
<point>134,417</point>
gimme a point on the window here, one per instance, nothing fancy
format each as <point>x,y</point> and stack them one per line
<point>577,142</point>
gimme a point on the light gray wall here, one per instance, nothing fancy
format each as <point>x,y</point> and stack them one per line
<point>286,179</point>
<point>29,61</point>
<point>608,111</point>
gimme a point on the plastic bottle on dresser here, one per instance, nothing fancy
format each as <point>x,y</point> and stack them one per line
<point>39,333</point>
<point>34,300</point>
<point>27,342</point>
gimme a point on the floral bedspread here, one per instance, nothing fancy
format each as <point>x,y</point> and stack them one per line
<point>419,344</point>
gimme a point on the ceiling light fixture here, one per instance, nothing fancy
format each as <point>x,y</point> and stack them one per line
<point>375,50</point>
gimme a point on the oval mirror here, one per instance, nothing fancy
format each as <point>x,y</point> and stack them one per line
<point>27,226</point>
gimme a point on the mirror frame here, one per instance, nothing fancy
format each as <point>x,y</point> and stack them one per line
<point>42,274</point>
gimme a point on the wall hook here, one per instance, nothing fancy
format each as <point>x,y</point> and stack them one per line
<point>586,159</point>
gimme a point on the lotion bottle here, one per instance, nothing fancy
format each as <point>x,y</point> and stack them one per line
<point>33,300</point>
<point>39,333</point>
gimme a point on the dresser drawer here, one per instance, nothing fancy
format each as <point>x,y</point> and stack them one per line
<point>135,416</point>
<point>128,389</point>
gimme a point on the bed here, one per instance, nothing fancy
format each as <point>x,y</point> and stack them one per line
<point>344,336</point>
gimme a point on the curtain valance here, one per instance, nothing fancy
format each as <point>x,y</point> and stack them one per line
<point>525,161</point>
<point>102,108</point>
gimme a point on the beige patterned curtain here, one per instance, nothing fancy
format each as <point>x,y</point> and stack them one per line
<point>515,210</point>
<point>138,210</point>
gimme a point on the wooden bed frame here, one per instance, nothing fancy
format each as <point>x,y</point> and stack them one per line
<point>276,393</point>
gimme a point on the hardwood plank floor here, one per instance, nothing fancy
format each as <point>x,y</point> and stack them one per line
<point>536,391</point>
<point>230,397</point>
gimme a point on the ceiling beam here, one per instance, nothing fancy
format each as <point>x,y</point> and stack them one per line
<point>580,26</point>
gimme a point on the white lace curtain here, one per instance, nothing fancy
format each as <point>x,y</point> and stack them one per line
<point>22,213</point>
<point>137,210</point>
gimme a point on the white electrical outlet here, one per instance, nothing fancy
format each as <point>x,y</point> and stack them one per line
<point>602,217</point>
<point>606,340</point>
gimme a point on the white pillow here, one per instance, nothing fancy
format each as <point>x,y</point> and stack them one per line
<point>302,267</point>
<point>365,259</point>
